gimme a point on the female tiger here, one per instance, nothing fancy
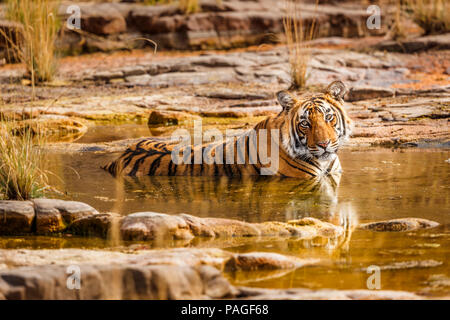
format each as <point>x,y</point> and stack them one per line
<point>302,141</point>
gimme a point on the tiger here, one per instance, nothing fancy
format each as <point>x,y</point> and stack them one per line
<point>305,135</point>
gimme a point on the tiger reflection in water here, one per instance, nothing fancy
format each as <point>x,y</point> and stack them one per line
<point>251,199</point>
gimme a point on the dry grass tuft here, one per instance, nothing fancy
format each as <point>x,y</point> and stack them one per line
<point>189,6</point>
<point>36,44</point>
<point>431,15</point>
<point>21,162</point>
<point>398,29</point>
<point>297,37</point>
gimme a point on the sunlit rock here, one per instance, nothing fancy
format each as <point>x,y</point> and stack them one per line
<point>367,92</point>
<point>53,215</point>
<point>440,42</point>
<point>182,273</point>
<point>93,225</point>
<point>52,127</point>
<point>410,264</point>
<point>264,261</point>
<point>16,217</point>
<point>156,282</point>
<point>324,294</point>
<point>165,118</point>
<point>155,226</point>
<point>306,228</point>
<point>99,18</point>
<point>219,227</point>
<point>395,225</point>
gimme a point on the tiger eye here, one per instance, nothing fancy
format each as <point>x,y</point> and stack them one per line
<point>329,117</point>
<point>304,124</point>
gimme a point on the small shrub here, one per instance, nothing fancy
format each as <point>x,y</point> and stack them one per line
<point>398,30</point>
<point>36,46</point>
<point>297,37</point>
<point>21,161</point>
<point>189,6</point>
<point>431,15</point>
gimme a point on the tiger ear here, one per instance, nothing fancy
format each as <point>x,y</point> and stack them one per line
<point>337,90</point>
<point>285,100</point>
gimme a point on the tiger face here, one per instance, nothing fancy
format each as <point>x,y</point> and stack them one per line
<point>315,126</point>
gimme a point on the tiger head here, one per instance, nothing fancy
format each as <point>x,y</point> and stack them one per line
<point>315,126</point>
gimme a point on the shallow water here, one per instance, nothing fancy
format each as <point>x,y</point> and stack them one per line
<point>377,184</point>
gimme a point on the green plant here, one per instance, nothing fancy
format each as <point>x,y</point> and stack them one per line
<point>36,44</point>
<point>431,15</point>
<point>297,37</point>
<point>21,162</point>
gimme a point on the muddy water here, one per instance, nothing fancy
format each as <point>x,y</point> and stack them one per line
<point>377,184</point>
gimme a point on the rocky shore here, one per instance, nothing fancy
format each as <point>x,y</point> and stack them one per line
<point>399,96</point>
<point>394,101</point>
<point>53,216</point>
<point>217,25</point>
<point>156,274</point>
<point>179,273</point>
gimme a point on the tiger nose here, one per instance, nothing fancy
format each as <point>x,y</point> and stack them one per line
<point>323,144</point>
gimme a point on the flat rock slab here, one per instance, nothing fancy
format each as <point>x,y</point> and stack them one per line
<point>159,283</point>
<point>183,273</point>
<point>165,118</point>
<point>154,226</point>
<point>98,225</point>
<point>396,225</point>
<point>158,226</point>
<point>324,294</point>
<point>193,257</point>
<point>265,68</point>
<point>358,93</point>
<point>116,282</point>
<point>53,127</point>
<point>233,94</point>
<point>99,18</point>
<point>439,42</point>
<point>255,261</point>
<point>401,265</point>
<point>39,274</point>
<point>16,217</point>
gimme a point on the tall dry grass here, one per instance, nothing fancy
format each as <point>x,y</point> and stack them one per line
<point>398,29</point>
<point>155,2</point>
<point>298,34</point>
<point>431,15</point>
<point>189,6</point>
<point>36,44</point>
<point>22,175</point>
